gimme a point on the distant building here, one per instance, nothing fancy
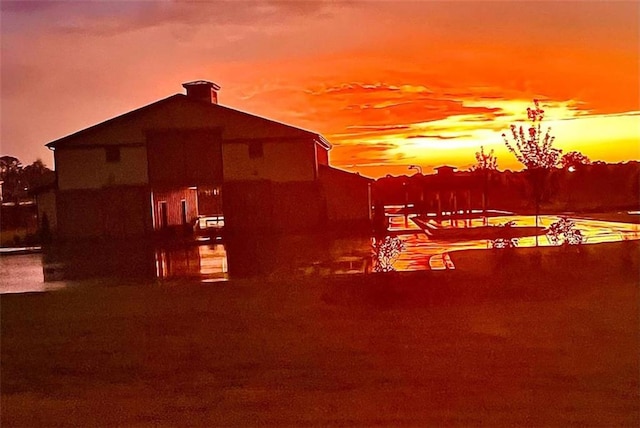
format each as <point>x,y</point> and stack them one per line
<point>445,170</point>
<point>161,166</point>
<point>445,193</point>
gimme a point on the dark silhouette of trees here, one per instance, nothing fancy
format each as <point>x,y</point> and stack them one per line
<point>573,160</point>
<point>17,179</point>
<point>9,163</point>
<point>535,152</point>
<point>10,168</point>
<point>595,187</point>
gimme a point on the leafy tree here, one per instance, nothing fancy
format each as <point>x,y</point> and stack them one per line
<point>564,232</point>
<point>32,174</point>
<point>9,164</point>
<point>17,179</point>
<point>385,251</point>
<point>535,151</point>
<point>531,148</point>
<point>10,168</point>
<point>573,160</point>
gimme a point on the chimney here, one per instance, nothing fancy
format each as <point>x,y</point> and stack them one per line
<point>202,90</point>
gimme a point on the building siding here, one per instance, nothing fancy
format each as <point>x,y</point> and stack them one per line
<point>87,168</point>
<point>281,161</point>
<point>184,157</point>
<point>262,206</point>
<point>347,196</point>
<point>116,213</point>
<point>322,155</point>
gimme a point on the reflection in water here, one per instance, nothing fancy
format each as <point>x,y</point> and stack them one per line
<point>283,257</point>
<point>441,262</point>
<point>213,262</point>
<point>423,253</point>
<point>23,273</point>
<point>206,262</point>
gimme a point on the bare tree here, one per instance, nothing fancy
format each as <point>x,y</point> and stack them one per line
<point>485,161</point>
<point>486,165</point>
<point>535,151</point>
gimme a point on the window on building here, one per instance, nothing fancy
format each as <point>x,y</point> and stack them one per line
<point>113,154</point>
<point>256,150</point>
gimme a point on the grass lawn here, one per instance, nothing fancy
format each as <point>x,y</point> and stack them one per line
<point>533,339</point>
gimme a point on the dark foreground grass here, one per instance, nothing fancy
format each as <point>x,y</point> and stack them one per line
<point>533,338</point>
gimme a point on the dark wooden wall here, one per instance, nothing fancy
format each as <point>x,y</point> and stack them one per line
<point>184,157</point>
<point>117,213</point>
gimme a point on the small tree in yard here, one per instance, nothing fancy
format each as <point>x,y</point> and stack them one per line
<point>535,151</point>
<point>486,165</point>
<point>564,232</point>
<point>386,250</point>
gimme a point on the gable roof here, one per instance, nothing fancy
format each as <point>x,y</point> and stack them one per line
<point>179,111</point>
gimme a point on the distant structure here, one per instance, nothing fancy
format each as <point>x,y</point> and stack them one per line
<point>447,193</point>
<point>445,170</point>
<point>162,166</point>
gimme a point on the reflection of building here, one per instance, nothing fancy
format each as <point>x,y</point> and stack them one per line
<point>162,165</point>
<point>205,262</point>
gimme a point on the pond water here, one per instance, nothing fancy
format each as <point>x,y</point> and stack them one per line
<point>285,257</point>
<point>23,273</point>
<point>422,252</point>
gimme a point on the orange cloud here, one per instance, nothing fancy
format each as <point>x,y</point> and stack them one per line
<point>389,83</point>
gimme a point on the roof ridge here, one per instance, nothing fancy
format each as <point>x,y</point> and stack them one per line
<point>184,98</point>
<point>110,120</point>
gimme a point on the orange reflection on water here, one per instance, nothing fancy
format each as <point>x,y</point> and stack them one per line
<point>207,262</point>
<point>424,253</point>
<point>213,263</point>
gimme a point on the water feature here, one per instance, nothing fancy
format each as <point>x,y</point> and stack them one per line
<point>23,273</point>
<point>275,258</point>
<point>421,250</point>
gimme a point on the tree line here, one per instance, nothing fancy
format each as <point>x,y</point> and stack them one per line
<point>550,179</point>
<point>19,181</point>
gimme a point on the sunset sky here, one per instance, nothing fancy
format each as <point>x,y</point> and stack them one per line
<point>390,84</point>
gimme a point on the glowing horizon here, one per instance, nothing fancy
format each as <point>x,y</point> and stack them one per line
<point>388,84</point>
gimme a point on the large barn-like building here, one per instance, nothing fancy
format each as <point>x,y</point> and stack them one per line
<point>163,165</point>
